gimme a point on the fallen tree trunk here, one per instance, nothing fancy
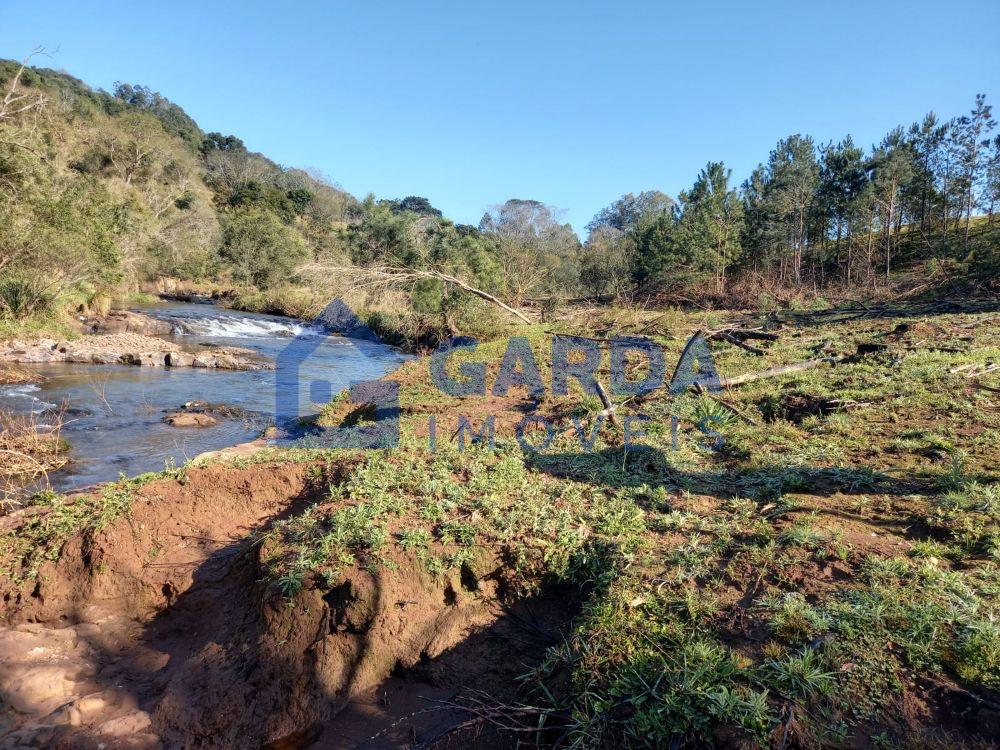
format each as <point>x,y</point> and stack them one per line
<point>388,276</point>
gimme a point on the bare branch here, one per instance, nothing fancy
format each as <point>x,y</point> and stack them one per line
<point>9,108</point>
<point>388,276</point>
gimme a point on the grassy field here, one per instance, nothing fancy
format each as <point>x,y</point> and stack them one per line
<point>824,574</point>
<point>812,578</point>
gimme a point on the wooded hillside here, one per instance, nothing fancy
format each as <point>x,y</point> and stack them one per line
<point>103,192</point>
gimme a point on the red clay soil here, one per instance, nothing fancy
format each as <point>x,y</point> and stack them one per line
<point>158,632</point>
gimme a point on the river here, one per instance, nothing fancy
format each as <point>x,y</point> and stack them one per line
<point>112,414</point>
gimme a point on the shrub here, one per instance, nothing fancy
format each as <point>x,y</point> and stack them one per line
<point>21,297</point>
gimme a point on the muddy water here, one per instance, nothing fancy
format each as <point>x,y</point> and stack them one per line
<point>112,414</point>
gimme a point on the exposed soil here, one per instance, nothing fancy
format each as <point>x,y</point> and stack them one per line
<point>157,631</point>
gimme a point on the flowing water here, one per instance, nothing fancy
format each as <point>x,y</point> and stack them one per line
<point>112,414</point>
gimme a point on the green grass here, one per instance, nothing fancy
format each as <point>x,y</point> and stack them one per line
<point>672,545</point>
<point>41,538</point>
<point>819,567</point>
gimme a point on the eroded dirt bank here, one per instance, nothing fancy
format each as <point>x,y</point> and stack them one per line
<point>158,630</point>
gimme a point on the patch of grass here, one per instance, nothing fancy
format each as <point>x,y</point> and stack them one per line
<point>792,618</point>
<point>55,519</point>
<point>802,533</point>
<point>476,497</point>
<point>801,675</point>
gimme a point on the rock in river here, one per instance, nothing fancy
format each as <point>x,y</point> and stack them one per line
<point>190,419</point>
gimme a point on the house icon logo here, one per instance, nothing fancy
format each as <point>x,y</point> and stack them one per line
<point>291,409</point>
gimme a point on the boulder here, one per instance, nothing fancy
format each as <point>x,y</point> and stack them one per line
<point>152,359</point>
<point>123,321</point>
<point>205,360</point>
<point>190,419</point>
<point>180,359</point>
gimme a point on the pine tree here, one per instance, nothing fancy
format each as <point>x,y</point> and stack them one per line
<point>710,222</point>
<point>971,141</point>
<point>926,139</point>
<point>792,177</point>
<point>843,180</point>
<point>892,168</point>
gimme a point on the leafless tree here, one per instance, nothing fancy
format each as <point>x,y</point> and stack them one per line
<point>132,151</point>
<point>231,170</point>
<point>17,102</point>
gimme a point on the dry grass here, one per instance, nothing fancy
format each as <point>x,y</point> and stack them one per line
<point>10,375</point>
<point>29,451</point>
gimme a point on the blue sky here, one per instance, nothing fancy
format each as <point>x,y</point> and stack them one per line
<point>570,103</point>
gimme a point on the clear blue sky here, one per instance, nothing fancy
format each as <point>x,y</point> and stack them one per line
<point>572,102</point>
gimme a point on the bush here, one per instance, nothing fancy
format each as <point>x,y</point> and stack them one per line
<point>21,297</point>
<point>262,249</point>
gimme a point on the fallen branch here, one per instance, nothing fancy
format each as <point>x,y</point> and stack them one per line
<point>726,336</point>
<point>700,389</point>
<point>609,405</point>
<point>984,371</point>
<point>390,275</point>
<point>774,372</point>
<point>962,368</point>
<point>581,338</point>
<point>745,333</point>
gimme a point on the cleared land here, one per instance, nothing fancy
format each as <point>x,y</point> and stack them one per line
<point>825,577</point>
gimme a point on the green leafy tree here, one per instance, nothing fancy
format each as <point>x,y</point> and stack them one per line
<point>261,248</point>
<point>414,204</point>
<point>629,211</point>
<point>174,119</point>
<point>604,262</point>
<point>382,237</point>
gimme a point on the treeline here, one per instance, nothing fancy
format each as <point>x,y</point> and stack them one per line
<point>814,216</point>
<point>101,192</point>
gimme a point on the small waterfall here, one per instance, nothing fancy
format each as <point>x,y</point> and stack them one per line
<point>239,326</point>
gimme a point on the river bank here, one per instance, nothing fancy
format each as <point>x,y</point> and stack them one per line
<point>820,561</point>
<point>128,415</point>
<point>127,339</point>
